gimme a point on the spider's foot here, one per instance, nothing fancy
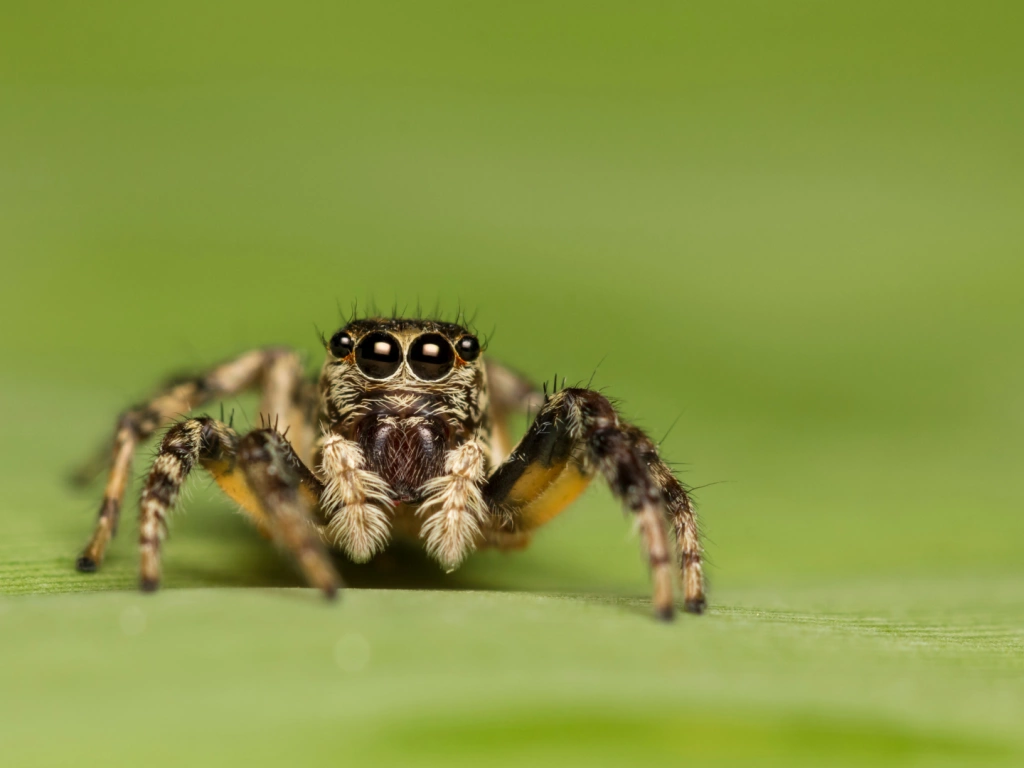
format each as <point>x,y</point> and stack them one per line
<point>85,564</point>
<point>695,605</point>
<point>664,612</point>
<point>330,592</point>
<point>148,584</point>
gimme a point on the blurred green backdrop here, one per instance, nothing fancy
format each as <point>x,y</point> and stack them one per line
<point>794,226</point>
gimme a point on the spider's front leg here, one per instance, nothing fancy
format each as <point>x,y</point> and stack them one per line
<point>356,500</point>
<point>260,471</point>
<point>454,506</point>
<point>576,435</point>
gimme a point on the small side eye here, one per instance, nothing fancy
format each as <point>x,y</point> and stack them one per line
<point>469,348</point>
<point>379,355</point>
<point>431,357</point>
<point>341,344</point>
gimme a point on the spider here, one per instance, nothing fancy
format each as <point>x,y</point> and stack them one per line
<point>413,441</point>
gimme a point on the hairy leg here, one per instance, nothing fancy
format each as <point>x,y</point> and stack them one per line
<point>355,500</point>
<point>683,518</point>
<point>266,458</point>
<point>261,471</point>
<point>288,403</point>
<point>277,369</point>
<point>454,507</point>
<point>578,435</point>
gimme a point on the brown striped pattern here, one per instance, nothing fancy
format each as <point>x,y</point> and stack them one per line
<point>179,397</point>
<point>273,473</point>
<point>265,457</point>
<point>581,428</point>
<point>178,454</point>
<point>683,518</point>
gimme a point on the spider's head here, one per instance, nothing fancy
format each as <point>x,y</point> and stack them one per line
<point>406,391</point>
<point>417,353</point>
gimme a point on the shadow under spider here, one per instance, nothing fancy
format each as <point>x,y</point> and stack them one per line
<point>403,565</point>
<point>255,562</point>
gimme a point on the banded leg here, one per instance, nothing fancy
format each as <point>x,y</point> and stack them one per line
<point>267,460</point>
<point>261,471</point>
<point>278,369</point>
<point>683,519</point>
<point>578,435</point>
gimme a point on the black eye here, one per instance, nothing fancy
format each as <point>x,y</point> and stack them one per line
<point>431,356</point>
<point>469,348</point>
<point>341,344</point>
<point>378,355</point>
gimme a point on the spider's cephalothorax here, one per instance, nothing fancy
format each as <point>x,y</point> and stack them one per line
<point>406,392</point>
<point>412,441</point>
<point>407,397</point>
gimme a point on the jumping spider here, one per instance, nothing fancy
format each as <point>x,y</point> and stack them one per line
<point>412,440</point>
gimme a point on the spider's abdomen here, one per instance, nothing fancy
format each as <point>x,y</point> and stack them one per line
<point>405,452</point>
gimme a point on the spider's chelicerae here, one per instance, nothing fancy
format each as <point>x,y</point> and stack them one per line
<point>404,433</point>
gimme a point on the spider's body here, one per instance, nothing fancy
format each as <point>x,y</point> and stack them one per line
<point>412,440</point>
<point>405,424</point>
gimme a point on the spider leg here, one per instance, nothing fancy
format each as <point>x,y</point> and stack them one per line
<point>355,500</point>
<point>261,471</point>
<point>278,371</point>
<point>454,506</point>
<point>683,518</point>
<point>510,393</point>
<point>578,435</point>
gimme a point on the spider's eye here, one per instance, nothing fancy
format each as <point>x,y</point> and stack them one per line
<point>378,355</point>
<point>431,356</point>
<point>469,348</point>
<point>341,344</point>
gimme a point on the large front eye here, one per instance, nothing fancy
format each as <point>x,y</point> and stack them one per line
<point>378,355</point>
<point>431,357</point>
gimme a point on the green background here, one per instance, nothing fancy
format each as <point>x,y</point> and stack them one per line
<point>794,226</point>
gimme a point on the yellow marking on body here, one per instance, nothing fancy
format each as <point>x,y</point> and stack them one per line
<point>234,484</point>
<point>562,491</point>
<point>310,496</point>
<point>532,483</point>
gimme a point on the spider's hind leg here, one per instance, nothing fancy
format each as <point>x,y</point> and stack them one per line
<point>261,471</point>
<point>576,435</point>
